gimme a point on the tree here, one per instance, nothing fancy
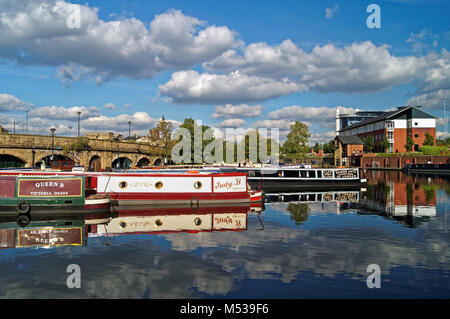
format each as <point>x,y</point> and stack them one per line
<point>429,140</point>
<point>192,127</point>
<point>316,148</point>
<point>296,145</point>
<point>409,144</point>
<point>161,135</point>
<point>328,147</point>
<point>385,145</point>
<point>368,143</point>
<point>249,137</point>
<point>74,148</point>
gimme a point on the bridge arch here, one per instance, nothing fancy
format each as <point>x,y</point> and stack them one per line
<point>143,161</point>
<point>158,161</point>
<point>95,163</point>
<point>11,161</point>
<point>122,162</point>
<point>56,157</point>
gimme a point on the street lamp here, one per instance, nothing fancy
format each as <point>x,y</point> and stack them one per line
<point>444,98</point>
<point>118,145</point>
<point>78,113</point>
<point>27,110</point>
<point>129,128</point>
<point>53,140</point>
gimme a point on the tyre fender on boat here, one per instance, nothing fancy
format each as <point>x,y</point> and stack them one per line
<point>23,220</point>
<point>194,201</point>
<point>23,207</point>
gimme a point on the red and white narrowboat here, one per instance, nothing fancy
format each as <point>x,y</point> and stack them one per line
<point>192,188</point>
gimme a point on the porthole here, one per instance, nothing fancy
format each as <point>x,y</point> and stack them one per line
<point>198,185</point>
<point>158,223</point>
<point>123,184</point>
<point>158,185</point>
<point>123,224</point>
<point>197,221</point>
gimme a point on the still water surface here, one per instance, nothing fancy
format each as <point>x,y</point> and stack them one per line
<point>312,245</point>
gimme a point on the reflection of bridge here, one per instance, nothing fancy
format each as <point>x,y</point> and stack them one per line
<point>18,150</point>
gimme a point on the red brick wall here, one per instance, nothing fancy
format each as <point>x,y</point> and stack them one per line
<point>400,161</point>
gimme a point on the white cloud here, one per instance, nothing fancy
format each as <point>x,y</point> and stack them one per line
<point>11,103</point>
<point>35,33</point>
<point>232,111</point>
<point>357,68</point>
<point>192,87</point>
<point>329,12</point>
<point>309,113</point>
<point>110,106</point>
<point>431,101</point>
<point>64,113</point>
<point>232,123</point>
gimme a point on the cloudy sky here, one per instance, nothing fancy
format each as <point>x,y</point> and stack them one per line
<point>234,64</point>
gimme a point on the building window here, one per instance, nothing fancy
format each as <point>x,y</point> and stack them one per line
<point>391,148</point>
<point>415,123</point>
<point>416,135</point>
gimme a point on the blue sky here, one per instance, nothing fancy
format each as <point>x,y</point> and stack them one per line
<point>139,60</point>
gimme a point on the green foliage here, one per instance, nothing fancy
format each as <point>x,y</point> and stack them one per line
<point>368,143</point>
<point>162,135</point>
<point>79,144</point>
<point>385,145</point>
<point>329,147</point>
<point>316,147</point>
<point>434,150</point>
<point>296,145</point>
<point>429,140</point>
<point>299,212</point>
<point>409,144</point>
<point>74,148</point>
<point>192,126</point>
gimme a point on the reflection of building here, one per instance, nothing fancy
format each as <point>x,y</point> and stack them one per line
<point>400,196</point>
<point>348,150</point>
<point>395,127</point>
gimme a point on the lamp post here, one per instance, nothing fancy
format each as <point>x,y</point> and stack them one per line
<point>118,145</point>
<point>27,110</point>
<point>129,128</point>
<point>444,98</point>
<point>53,141</point>
<point>78,113</point>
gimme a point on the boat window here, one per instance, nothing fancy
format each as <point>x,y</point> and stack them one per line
<point>197,221</point>
<point>319,174</point>
<point>159,184</point>
<point>312,174</point>
<point>123,184</point>
<point>292,173</point>
<point>158,223</point>
<point>123,224</point>
<point>198,185</point>
<point>302,173</point>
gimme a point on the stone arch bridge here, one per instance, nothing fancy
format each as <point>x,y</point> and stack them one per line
<point>104,151</point>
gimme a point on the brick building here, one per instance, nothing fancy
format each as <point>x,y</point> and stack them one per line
<point>348,150</point>
<point>395,126</point>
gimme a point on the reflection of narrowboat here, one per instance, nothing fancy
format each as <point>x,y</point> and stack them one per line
<point>46,232</point>
<point>314,197</point>
<point>177,219</point>
<point>290,179</point>
<point>427,169</point>
<point>46,194</point>
<point>191,188</point>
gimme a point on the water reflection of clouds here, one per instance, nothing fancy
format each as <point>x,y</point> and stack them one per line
<point>215,263</point>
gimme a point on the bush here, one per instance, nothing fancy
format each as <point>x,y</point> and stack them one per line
<point>434,150</point>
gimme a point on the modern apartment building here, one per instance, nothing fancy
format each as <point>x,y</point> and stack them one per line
<point>344,120</point>
<point>395,126</point>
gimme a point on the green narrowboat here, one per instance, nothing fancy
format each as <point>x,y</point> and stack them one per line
<point>46,194</point>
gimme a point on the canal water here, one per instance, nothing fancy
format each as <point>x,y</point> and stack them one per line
<point>310,245</point>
